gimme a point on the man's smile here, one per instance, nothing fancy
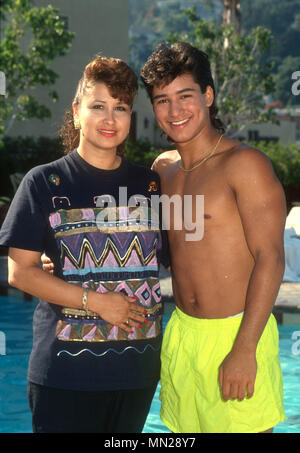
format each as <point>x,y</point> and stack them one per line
<point>179,124</point>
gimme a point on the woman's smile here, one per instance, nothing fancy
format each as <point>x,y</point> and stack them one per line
<point>107,132</point>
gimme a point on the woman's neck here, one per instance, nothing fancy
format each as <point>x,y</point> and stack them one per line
<point>102,159</point>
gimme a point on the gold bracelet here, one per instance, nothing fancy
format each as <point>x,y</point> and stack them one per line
<point>84,299</point>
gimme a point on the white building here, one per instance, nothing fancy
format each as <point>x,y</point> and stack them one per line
<point>287,130</point>
<point>100,26</point>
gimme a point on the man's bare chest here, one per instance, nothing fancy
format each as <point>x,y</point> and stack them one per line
<point>213,189</point>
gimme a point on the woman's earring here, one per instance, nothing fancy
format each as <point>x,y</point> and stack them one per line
<point>76,123</point>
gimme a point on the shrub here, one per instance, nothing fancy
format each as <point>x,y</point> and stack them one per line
<point>286,163</point>
<point>23,153</point>
<point>285,160</point>
<point>141,152</point>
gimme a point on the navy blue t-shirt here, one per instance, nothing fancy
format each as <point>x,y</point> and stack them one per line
<point>60,209</point>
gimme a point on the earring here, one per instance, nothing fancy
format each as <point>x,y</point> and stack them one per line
<point>76,123</point>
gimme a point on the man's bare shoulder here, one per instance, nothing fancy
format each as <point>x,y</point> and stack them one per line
<point>164,160</point>
<point>249,168</point>
<point>242,158</point>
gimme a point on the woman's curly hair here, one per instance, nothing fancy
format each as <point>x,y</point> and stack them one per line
<point>170,61</point>
<point>121,82</point>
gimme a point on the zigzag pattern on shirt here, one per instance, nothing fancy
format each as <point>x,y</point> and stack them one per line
<point>93,332</point>
<point>131,250</point>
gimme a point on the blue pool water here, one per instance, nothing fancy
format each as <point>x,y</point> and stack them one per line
<point>16,325</point>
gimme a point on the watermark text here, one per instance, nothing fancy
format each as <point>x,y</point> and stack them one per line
<point>296,84</point>
<point>296,344</point>
<point>2,343</point>
<point>2,83</point>
<point>183,213</point>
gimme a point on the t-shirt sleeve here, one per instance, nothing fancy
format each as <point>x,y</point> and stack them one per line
<point>163,244</point>
<point>25,224</point>
<point>163,250</point>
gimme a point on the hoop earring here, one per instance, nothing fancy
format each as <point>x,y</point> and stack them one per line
<point>76,123</point>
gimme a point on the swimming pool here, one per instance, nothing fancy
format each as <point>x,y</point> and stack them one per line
<point>16,340</point>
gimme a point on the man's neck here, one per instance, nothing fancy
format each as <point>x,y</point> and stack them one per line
<point>198,148</point>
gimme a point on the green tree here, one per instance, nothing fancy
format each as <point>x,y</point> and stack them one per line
<point>279,17</point>
<point>283,19</point>
<point>151,21</point>
<point>241,81</point>
<point>231,13</point>
<point>32,38</point>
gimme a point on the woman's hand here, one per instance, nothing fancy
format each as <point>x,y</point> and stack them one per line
<point>47,264</point>
<point>117,309</point>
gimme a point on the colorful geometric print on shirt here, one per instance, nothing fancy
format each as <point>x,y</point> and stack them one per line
<point>118,255</point>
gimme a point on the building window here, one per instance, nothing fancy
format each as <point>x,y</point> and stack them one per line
<point>253,136</point>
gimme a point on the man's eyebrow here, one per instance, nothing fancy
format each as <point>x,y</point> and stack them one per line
<point>158,96</point>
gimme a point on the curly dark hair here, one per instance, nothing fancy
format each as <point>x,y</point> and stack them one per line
<point>121,82</point>
<point>170,61</point>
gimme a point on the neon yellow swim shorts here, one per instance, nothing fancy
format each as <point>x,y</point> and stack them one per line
<point>191,400</point>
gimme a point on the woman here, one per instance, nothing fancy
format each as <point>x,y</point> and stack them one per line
<point>95,364</point>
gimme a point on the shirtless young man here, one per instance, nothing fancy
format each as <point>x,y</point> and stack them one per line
<point>220,372</point>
